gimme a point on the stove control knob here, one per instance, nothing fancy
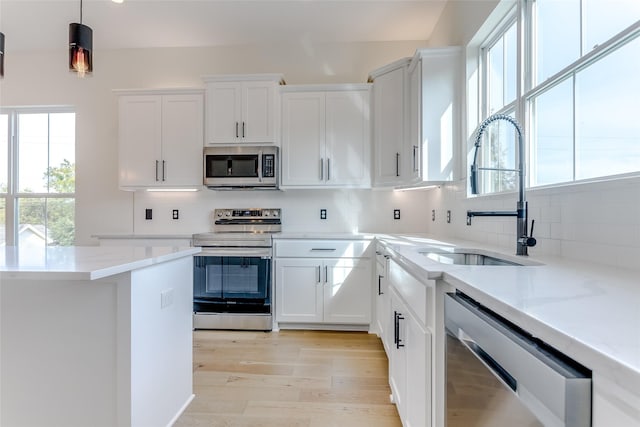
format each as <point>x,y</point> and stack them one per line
<point>219,214</point>
<point>266,213</point>
<point>275,213</point>
<point>227,213</point>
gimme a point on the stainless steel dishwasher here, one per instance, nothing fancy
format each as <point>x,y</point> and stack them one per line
<point>499,375</point>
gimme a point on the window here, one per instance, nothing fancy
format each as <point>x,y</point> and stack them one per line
<point>578,98</point>
<point>37,177</point>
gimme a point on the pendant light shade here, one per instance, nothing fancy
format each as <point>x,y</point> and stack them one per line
<point>1,55</point>
<point>80,47</point>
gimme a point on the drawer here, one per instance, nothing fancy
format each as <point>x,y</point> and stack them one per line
<point>322,248</point>
<point>418,296</point>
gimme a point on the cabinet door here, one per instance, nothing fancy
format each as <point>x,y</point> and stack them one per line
<point>418,386</point>
<point>398,355</point>
<point>258,112</point>
<point>224,112</point>
<point>347,291</point>
<point>182,140</point>
<point>303,136</point>
<point>298,290</point>
<point>388,94</point>
<point>139,140</point>
<point>347,138</point>
<point>382,311</point>
<point>412,147</point>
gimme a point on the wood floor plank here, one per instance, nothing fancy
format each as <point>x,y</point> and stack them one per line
<point>289,379</point>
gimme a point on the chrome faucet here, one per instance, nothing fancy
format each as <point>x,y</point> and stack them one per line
<point>523,239</point>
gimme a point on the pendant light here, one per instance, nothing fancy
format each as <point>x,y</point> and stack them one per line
<point>80,47</point>
<point>1,55</point>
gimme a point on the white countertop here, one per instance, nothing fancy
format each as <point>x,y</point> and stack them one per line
<point>589,312</point>
<point>82,262</point>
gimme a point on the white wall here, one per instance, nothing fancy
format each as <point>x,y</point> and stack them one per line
<point>41,78</point>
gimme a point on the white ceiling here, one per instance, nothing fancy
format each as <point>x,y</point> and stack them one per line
<point>43,24</point>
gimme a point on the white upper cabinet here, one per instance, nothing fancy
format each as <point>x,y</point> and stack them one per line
<point>389,105</point>
<point>326,136</point>
<point>242,108</point>
<point>160,135</point>
<point>434,113</point>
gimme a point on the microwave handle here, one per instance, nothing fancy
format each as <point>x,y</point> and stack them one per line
<point>259,162</point>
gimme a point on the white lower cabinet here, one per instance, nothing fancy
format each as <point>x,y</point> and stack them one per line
<point>329,289</point>
<point>409,344</point>
<point>382,300</point>
<point>410,365</point>
<point>333,291</point>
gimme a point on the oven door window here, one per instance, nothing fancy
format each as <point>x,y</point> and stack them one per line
<point>236,166</point>
<point>231,278</point>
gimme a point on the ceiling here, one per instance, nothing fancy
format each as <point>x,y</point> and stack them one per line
<point>43,24</point>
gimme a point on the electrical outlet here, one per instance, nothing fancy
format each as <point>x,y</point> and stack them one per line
<point>448,217</point>
<point>396,214</point>
<point>323,214</point>
<point>166,298</point>
<point>175,214</point>
<point>433,214</point>
<point>148,214</point>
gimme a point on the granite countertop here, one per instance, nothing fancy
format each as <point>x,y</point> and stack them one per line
<point>82,262</point>
<point>589,312</point>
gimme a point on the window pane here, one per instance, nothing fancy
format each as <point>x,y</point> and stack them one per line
<point>499,151</point>
<point>552,143</point>
<point>33,140</point>
<point>557,36</point>
<point>62,137</point>
<point>46,222</point>
<point>496,76</point>
<point>31,223</point>
<point>60,221</point>
<point>607,106</point>
<point>4,153</point>
<point>604,19</point>
<point>511,64</point>
<point>501,70</point>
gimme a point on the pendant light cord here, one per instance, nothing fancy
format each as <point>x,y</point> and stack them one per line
<point>81,11</point>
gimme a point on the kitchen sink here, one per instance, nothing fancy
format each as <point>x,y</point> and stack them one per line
<point>469,257</point>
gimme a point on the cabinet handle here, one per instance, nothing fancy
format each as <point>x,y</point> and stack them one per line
<point>397,164</point>
<point>243,129</point>
<point>326,276</point>
<point>328,169</point>
<point>318,275</point>
<point>323,249</point>
<point>236,129</point>
<point>163,169</point>
<point>415,158</point>
<point>395,327</point>
<point>398,319</point>
<point>321,169</point>
<point>156,170</point>
<point>379,285</point>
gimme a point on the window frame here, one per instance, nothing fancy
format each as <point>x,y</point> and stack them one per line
<point>12,196</point>
<point>526,92</point>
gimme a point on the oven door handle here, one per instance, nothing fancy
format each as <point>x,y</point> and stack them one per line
<point>264,253</point>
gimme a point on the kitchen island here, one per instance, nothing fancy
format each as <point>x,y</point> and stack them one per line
<point>95,336</point>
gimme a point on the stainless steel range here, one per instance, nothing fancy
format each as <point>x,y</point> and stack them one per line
<point>233,274</point>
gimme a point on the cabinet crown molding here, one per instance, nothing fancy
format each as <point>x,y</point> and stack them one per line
<point>400,63</point>
<point>337,87</point>
<point>278,78</point>
<point>163,91</point>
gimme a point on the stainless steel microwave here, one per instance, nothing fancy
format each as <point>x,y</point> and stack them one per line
<point>241,167</point>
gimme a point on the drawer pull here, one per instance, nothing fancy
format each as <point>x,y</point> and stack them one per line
<point>323,249</point>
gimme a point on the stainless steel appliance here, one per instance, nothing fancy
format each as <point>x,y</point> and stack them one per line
<point>499,375</point>
<point>241,167</point>
<point>233,273</point>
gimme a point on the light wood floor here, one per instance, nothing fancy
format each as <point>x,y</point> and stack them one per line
<point>289,379</point>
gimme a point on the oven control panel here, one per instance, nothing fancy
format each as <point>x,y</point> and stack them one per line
<point>246,213</point>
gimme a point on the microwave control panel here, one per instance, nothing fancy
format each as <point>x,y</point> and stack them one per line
<point>269,165</point>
